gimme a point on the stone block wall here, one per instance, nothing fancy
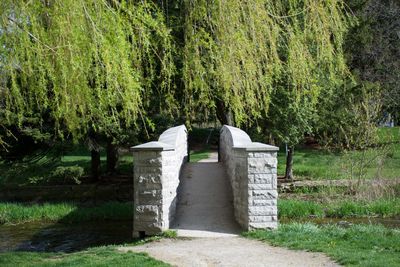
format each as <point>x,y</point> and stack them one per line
<point>252,170</point>
<point>157,167</point>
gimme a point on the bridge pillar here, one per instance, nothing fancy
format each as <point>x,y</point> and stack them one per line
<point>252,170</point>
<point>157,167</point>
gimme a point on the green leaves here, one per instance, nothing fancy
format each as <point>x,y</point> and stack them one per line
<point>105,65</point>
<point>89,65</point>
<point>257,48</point>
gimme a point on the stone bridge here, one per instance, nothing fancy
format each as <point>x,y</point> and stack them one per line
<point>205,198</point>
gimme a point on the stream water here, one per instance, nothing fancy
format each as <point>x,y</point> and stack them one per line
<point>46,237</point>
<point>56,237</point>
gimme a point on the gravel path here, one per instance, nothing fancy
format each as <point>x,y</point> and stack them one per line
<point>227,251</point>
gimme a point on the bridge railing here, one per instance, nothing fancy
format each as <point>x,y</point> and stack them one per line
<point>157,167</point>
<point>252,171</point>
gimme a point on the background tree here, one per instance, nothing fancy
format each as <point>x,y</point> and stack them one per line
<point>95,70</point>
<point>373,48</point>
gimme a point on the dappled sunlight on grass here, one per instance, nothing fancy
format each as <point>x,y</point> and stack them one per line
<point>30,173</point>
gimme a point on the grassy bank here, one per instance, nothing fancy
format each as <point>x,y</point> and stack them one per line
<point>101,256</point>
<point>290,208</point>
<point>314,163</point>
<point>14,213</point>
<point>358,245</point>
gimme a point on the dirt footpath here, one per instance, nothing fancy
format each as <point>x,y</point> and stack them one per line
<point>227,251</point>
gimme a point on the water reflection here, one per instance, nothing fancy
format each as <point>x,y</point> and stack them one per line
<point>57,237</point>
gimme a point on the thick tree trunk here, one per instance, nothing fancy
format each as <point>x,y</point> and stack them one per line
<point>95,162</point>
<point>289,163</point>
<point>112,157</point>
<point>224,115</point>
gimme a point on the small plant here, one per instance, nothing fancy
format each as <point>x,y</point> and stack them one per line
<point>69,173</point>
<point>36,179</point>
<point>170,234</point>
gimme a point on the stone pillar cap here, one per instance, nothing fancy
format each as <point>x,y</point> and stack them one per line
<point>257,147</point>
<point>152,146</point>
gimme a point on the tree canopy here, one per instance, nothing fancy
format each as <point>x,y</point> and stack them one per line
<point>238,53</point>
<point>106,66</point>
<point>83,65</point>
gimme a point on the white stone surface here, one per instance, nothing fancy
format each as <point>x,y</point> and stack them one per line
<point>156,179</point>
<point>252,171</point>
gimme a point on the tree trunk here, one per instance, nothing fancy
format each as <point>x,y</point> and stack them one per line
<point>289,163</point>
<point>95,162</point>
<point>224,115</point>
<point>112,157</point>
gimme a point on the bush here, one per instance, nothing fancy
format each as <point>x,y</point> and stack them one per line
<point>67,174</point>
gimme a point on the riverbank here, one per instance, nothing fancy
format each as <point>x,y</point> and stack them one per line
<point>296,209</point>
<point>65,212</point>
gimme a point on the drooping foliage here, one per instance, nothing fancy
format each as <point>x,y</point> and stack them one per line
<point>239,55</point>
<point>348,116</point>
<point>83,65</point>
<point>373,48</point>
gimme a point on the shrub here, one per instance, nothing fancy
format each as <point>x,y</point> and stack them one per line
<point>67,174</point>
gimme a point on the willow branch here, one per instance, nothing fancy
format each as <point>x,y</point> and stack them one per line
<point>30,34</point>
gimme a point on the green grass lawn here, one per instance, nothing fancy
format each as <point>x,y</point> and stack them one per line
<point>99,256</point>
<point>325,164</point>
<point>197,155</point>
<point>14,213</point>
<point>357,245</point>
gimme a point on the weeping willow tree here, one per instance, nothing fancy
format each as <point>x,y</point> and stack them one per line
<point>100,66</point>
<point>263,62</point>
<point>88,66</point>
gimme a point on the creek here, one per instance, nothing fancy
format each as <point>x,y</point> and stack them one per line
<point>57,237</point>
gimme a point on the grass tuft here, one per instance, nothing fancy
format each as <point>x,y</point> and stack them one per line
<point>170,234</point>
